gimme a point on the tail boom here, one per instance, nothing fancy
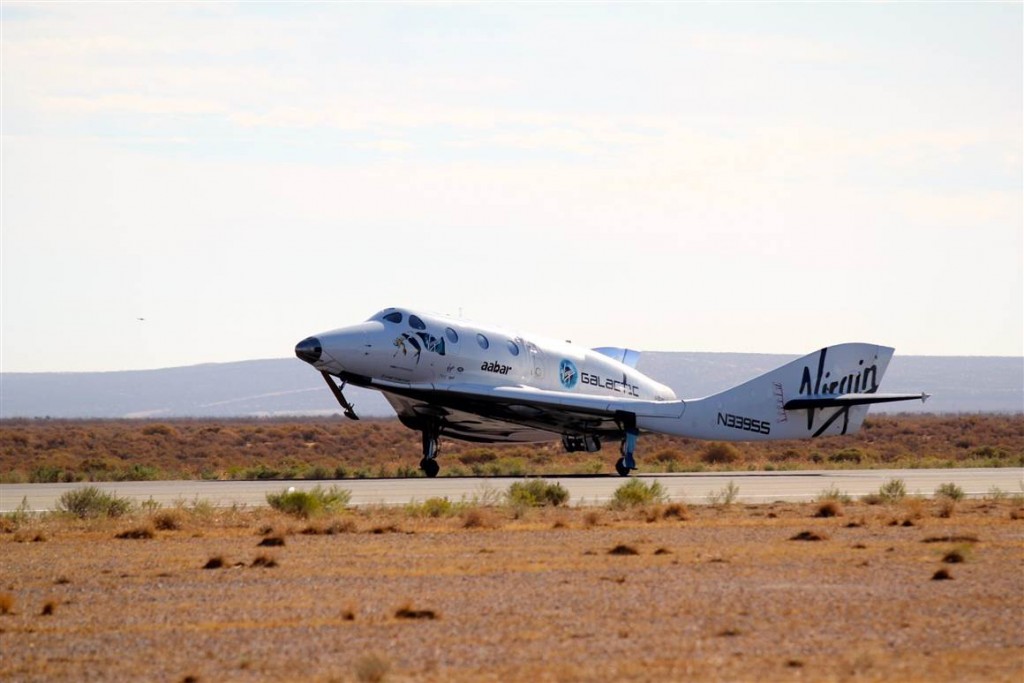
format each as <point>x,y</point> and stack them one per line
<point>825,393</point>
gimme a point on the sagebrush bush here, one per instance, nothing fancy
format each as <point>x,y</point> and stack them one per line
<point>636,492</point>
<point>829,508</point>
<point>92,502</point>
<point>537,493</point>
<point>949,490</point>
<point>720,453</point>
<point>893,491</point>
<point>306,504</point>
<point>724,496</point>
<point>432,507</point>
<point>833,493</point>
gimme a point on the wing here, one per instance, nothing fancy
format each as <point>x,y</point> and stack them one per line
<point>515,413</point>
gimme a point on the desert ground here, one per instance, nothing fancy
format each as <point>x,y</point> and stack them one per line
<point>510,593</point>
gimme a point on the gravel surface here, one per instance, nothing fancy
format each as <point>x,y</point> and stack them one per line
<point>722,595</point>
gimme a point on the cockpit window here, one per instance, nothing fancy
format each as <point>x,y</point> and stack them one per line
<point>415,323</point>
<point>452,335</point>
<point>394,317</point>
<point>512,348</point>
<point>482,341</point>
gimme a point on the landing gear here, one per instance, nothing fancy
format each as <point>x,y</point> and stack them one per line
<point>350,412</point>
<point>431,447</point>
<point>626,464</point>
<point>573,443</point>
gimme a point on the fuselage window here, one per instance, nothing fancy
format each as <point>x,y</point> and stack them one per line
<point>415,323</point>
<point>512,348</point>
<point>394,317</point>
<point>482,341</point>
<point>452,335</point>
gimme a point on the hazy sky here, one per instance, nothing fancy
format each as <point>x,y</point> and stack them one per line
<point>692,177</point>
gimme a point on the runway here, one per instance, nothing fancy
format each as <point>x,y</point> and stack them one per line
<point>692,488</point>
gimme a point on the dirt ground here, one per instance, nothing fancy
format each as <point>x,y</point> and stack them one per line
<point>491,594</point>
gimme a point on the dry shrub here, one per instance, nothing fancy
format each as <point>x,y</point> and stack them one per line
<point>662,551</point>
<point>29,537</point>
<point>720,453</point>
<point>676,511</point>
<point>951,538</point>
<point>264,561</point>
<point>658,512</point>
<point>808,536</point>
<point>6,603</point>
<point>637,493</point>
<point>339,526</point>
<point>623,549</point>
<point>142,532</point>
<point>942,575</point>
<point>348,615</point>
<point>215,562</point>
<point>592,518</point>
<point>49,607</point>
<point>271,542</point>
<point>668,455</point>
<point>167,520</point>
<point>475,518</point>
<point>371,668</point>
<point>407,612</point>
<point>915,507</point>
<point>829,508</point>
<point>947,506</point>
<point>953,557</point>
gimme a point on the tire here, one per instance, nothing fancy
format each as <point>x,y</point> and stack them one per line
<point>620,467</point>
<point>430,467</point>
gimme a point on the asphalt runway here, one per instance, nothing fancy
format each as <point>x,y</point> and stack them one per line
<point>693,488</point>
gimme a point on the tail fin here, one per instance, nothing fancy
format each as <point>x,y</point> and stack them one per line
<point>822,394</point>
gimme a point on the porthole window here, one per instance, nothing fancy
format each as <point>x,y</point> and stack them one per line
<point>482,341</point>
<point>415,323</point>
<point>394,317</point>
<point>512,348</point>
<point>452,335</point>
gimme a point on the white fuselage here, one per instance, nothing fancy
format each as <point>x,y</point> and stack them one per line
<point>402,346</point>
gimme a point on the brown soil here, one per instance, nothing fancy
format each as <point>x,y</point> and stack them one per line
<point>711,594</point>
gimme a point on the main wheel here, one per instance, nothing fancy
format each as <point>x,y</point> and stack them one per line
<point>430,467</point>
<point>620,467</point>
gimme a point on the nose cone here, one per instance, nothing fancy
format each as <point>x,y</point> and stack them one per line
<point>309,349</point>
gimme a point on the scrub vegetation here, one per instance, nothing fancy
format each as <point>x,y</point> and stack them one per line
<point>306,504</point>
<point>336,448</point>
<point>416,593</point>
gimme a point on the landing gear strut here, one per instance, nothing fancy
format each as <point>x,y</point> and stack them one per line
<point>350,412</point>
<point>626,464</point>
<point>431,447</point>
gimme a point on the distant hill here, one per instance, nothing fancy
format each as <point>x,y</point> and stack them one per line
<point>287,386</point>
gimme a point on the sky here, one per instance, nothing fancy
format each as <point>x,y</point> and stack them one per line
<point>672,177</point>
